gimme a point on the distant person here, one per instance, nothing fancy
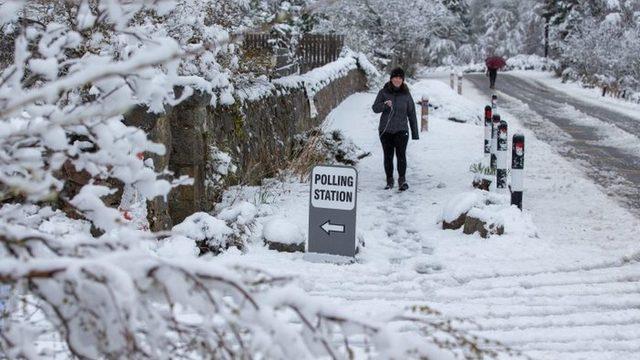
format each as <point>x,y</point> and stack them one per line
<point>398,110</point>
<point>493,73</point>
<point>494,63</point>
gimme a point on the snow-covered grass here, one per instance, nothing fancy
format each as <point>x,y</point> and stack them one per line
<point>560,282</point>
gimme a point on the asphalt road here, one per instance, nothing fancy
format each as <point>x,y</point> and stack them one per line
<point>552,116</point>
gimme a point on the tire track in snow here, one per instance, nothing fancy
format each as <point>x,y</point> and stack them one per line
<point>536,312</point>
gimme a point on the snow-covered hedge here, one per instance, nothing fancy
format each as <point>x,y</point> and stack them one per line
<point>531,62</point>
<point>518,62</point>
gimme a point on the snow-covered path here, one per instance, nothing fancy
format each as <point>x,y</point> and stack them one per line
<point>566,290</point>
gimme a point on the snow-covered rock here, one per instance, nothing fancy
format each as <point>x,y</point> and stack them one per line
<point>282,235</point>
<point>486,213</point>
<point>455,210</point>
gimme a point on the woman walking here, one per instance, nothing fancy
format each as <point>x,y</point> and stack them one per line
<point>398,110</point>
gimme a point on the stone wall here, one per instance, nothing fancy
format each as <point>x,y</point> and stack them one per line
<point>258,135</point>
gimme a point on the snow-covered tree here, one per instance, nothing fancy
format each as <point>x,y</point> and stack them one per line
<point>600,42</point>
<point>402,33</point>
<point>506,27</point>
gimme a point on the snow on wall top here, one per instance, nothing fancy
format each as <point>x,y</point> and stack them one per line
<point>312,81</point>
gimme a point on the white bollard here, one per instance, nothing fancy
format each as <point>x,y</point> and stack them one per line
<point>487,134</point>
<point>517,170</point>
<point>494,140</point>
<point>502,157</point>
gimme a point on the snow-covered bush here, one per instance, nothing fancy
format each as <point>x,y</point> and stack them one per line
<point>317,147</point>
<point>208,232</point>
<point>240,217</point>
<point>219,169</point>
<point>531,62</point>
<point>232,227</point>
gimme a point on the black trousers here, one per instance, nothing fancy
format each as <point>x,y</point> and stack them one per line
<point>492,77</point>
<point>395,143</point>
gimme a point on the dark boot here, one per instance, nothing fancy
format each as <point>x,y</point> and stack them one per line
<point>402,184</point>
<point>389,184</point>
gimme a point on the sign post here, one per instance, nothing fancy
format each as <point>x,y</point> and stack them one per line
<point>332,212</point>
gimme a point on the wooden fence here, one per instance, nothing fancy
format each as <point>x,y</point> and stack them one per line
<point>317,50</point>
<point>257,41</point>
<point>313,51</point>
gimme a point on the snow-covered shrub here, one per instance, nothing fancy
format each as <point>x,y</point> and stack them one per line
<point>242,213</point>
<point>483,175</point>
<point>241,218</point>
<point>178,246</point>
<point>314,147</point>
<point>209,233</point>
<point>219,169</point>
<point>232,227</point>
<point>531,62</point>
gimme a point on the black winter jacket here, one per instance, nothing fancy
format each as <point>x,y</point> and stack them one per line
<point>394,119</point>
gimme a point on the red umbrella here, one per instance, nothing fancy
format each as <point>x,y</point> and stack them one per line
<point>495,62</point>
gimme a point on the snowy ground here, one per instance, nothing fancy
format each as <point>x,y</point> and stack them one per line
<point>575,89</point>
<point>602,141</point>
<point>568,292</point>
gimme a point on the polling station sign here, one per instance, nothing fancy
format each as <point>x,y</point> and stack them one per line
<point>332,210</point>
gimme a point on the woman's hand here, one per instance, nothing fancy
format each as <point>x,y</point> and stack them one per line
<point>388,103</point>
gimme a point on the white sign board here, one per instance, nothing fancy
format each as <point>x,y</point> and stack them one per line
<point>332,210</point>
